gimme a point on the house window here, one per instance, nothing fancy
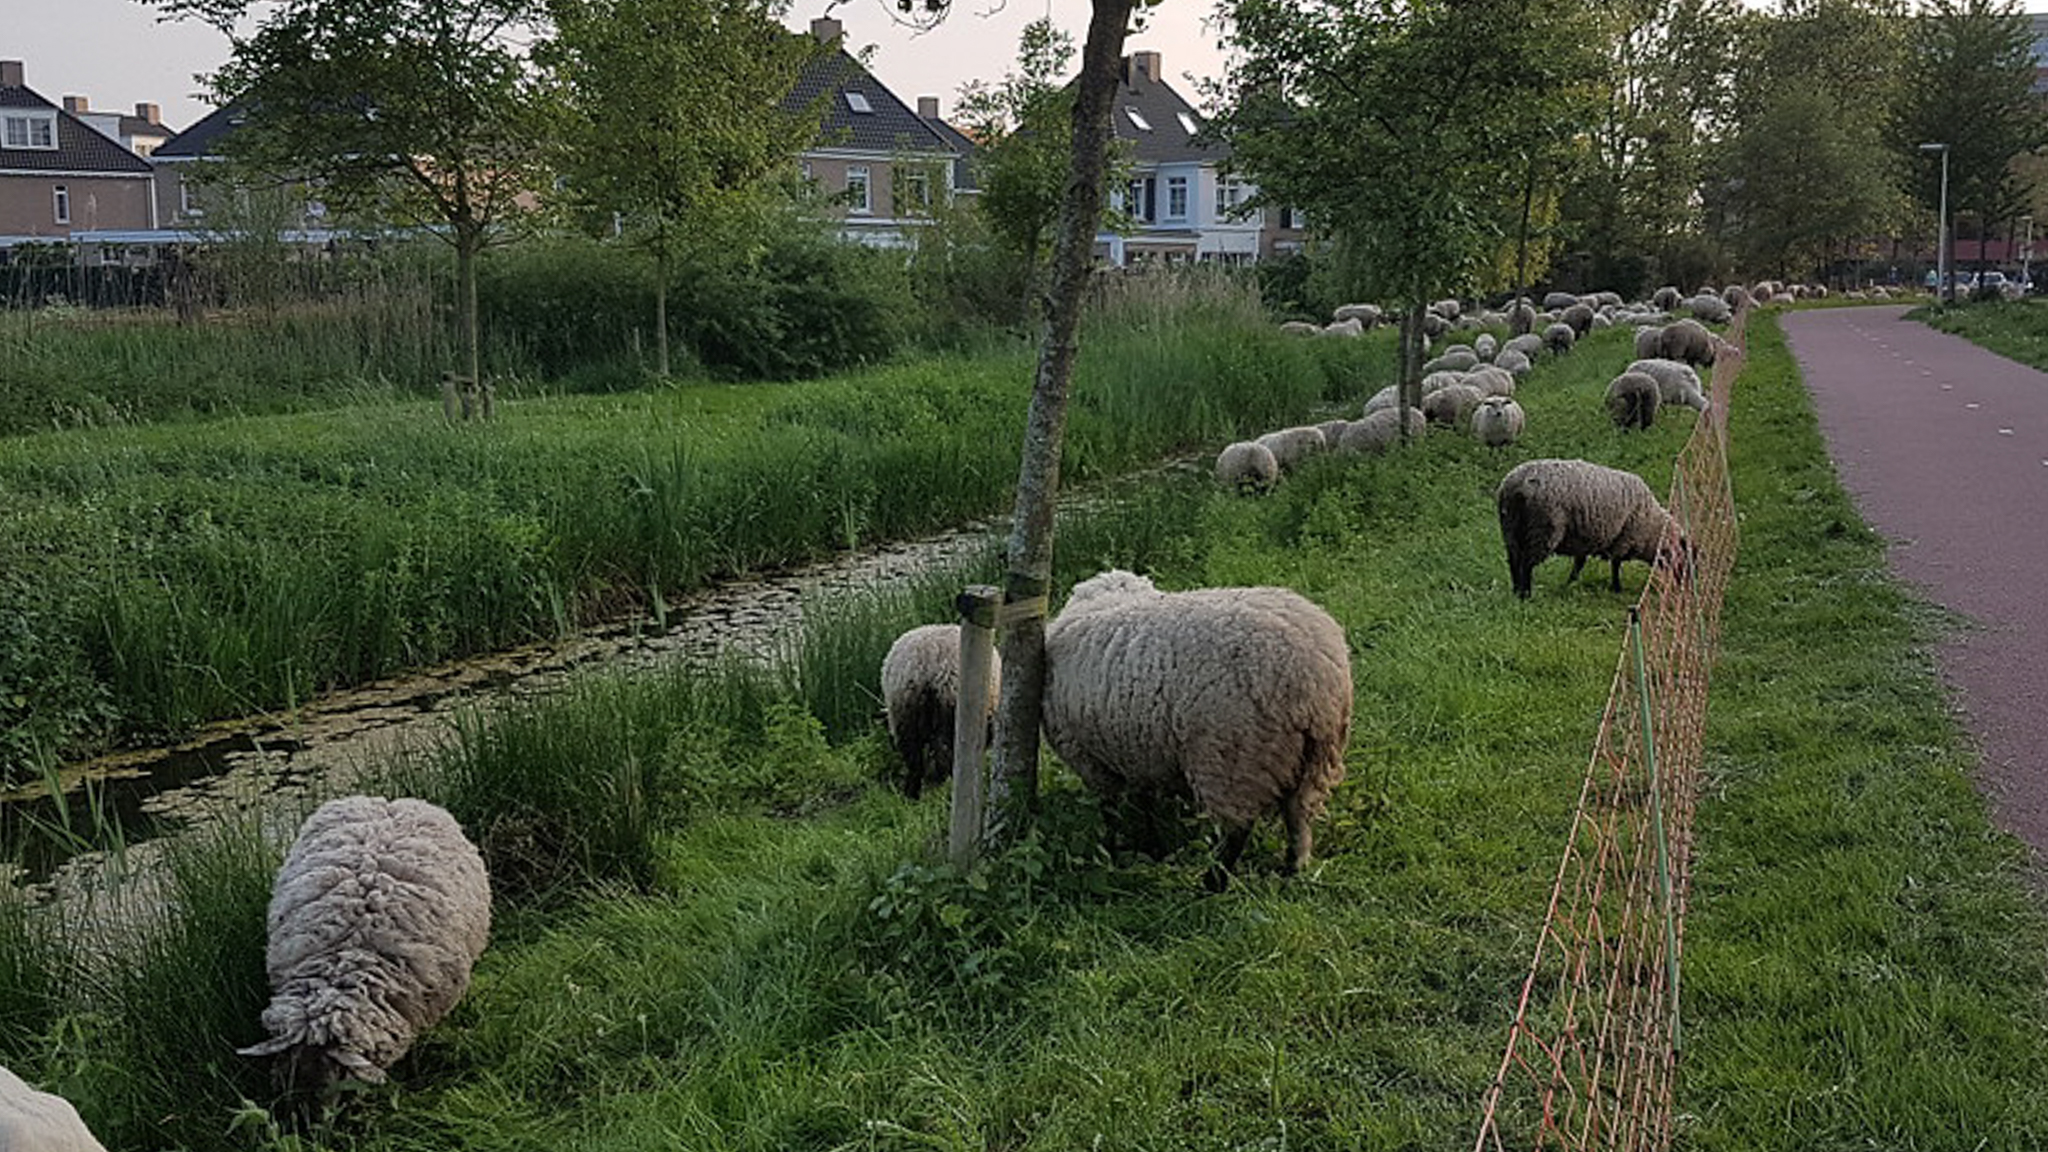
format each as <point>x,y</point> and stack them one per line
<point>186,205</point>
<point>1187,122</point>
<point>1176,197</point>
<point>913,192</point>
<point>859,103</point>
<point>1293,218</point>
<point>1138,118</point>
<point>1143,200</point>
<point>31,130</point>
<point>62,198</point>
<point>1230,192</point>
<point>857,197</point>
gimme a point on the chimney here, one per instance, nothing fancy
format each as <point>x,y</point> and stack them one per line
<point>77,105</point>
<point>927,107</point>
<point>10,74</point>
<point>826,30</point>
<point>149,112</point>
<point>1144,64</point>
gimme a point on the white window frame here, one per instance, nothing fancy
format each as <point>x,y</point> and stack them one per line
<point>1187,122</point>
<point>23,129</point>
<point>1176,198</point>
<point>913,192</point>
<point>60,203</point>
<point>866,204</point>
<point>185,205</point>
<point>858,101</point>
<point>1137,118</point>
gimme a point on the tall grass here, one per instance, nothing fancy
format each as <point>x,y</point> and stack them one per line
<point>181,573</point>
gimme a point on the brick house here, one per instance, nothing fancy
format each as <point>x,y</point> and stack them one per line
<point>59,174</point>
<point>877,166</point>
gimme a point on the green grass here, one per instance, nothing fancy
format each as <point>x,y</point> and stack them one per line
<point>783,967</point>
<point>2016,329</point>
<point>152,578</point>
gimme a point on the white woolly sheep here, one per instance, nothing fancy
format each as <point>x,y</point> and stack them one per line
<point>1332,431</point>
<point>1677,382</point>
<point>1559,338</point>
<point>1497,422</point>
<point>1632,400</point>
<point>1300,328</point>
<point>1578,509</point>
<point>1290,446</point>
<point>1448,309</point>
<point>1686,340</point>
<point>1529,344</point>
<point>1237,697</point>
<point>1649,343</point>
<point>1440,379</point>
<point>1710,308</point>
<point>1579,316</point>
<point>1514,360</point>
<point>1247,466</point>
<point>1485,345</point>
<point>1735,296</point>
<point>1381,430</point>
<point>1492,380</point>
<point>1451,405</point>
<point>34,1121</point>
<point>1366,314</point>
<point>1558,301</point>
<point>1521,318</point>
<point>1386,397</point>
<point>920,696</point>
<point>1343,328</point>
<point>1456,358</point>
<point>379,911</point>
<point>1666,298</point>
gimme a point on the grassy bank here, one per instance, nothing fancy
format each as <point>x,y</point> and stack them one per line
<point>2016,329</point>
<point>152,578</point>
<point>745,946</point>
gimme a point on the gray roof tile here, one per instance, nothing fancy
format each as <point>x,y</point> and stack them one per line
<point>80,147</point>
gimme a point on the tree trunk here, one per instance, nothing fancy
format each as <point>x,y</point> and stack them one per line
<point>468,241</point>
<point>1410,377</point>
<point>661,310</point>
<point>1014,788</point>
<point>1522,235</point>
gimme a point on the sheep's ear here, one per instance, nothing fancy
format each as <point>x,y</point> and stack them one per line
<point>270,1047</point>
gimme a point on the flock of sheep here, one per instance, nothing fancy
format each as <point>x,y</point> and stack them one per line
<point>1238,698</point>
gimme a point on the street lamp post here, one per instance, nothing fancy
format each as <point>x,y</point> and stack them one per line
<point>1943,289</point>
<point>2027,257</point>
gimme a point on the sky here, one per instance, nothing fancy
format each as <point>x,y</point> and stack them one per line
<point>118,54</point>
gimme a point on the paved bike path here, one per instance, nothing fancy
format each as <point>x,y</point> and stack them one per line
<point>1944,447</point>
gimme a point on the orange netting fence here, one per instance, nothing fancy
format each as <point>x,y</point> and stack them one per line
<point>1593,1049</point>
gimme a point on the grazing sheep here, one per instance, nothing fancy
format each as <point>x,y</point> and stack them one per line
<point>379,911</point>
<point>1632,400</point>
<point>1710,308</point>
<point>1300,328</point>
<point>1484,345</point>
<point>1450,406</point>
<point>1290,446</point>
<point>1366,314</point>
<point>921,693</point>
<point>1579,316</point>
<point>1558,301</point>
<point>1677,383</point>
<point>1607,300</point>
<point>34,1121</point>
<point>1238,697</point>
<point>1576,508</point>
<point>1434,325</point>
<point>1686,340</point>
<point>1351,327</point>
<point>1247,466</point>
<point>1332,431</point>
<point>1736,297</point>
<point>1649,343</point>
<point>1443,379</point>
<point>1497,422</point>
<point>1456,358</point>
<point>1492,380</point>
<point>1514,360</point>
<point>1521,318</point>
<point>1381,430</point>
<point>1529,344</point>
<point>1666,298</point>
<point>1448,309</point>
<point>1386,397</point>
<point>1559,338</point>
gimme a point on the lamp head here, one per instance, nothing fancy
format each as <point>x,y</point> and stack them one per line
<point>1934,147</point>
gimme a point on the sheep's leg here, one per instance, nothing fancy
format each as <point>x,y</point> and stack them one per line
<point>1300,832</point>
<point>1578,565</point>
<point>1614,584</point>
<point>1520,569</point>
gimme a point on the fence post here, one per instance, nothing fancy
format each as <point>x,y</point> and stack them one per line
<point>1635,631</point>
<point>977,607</point>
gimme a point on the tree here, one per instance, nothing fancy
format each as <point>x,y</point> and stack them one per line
<point>1972,72</point>
<point>420,112</point>
<point>1021,153</point>
<point>1383,122</point>
<point>1028,575</point>
<point>677,113</point>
